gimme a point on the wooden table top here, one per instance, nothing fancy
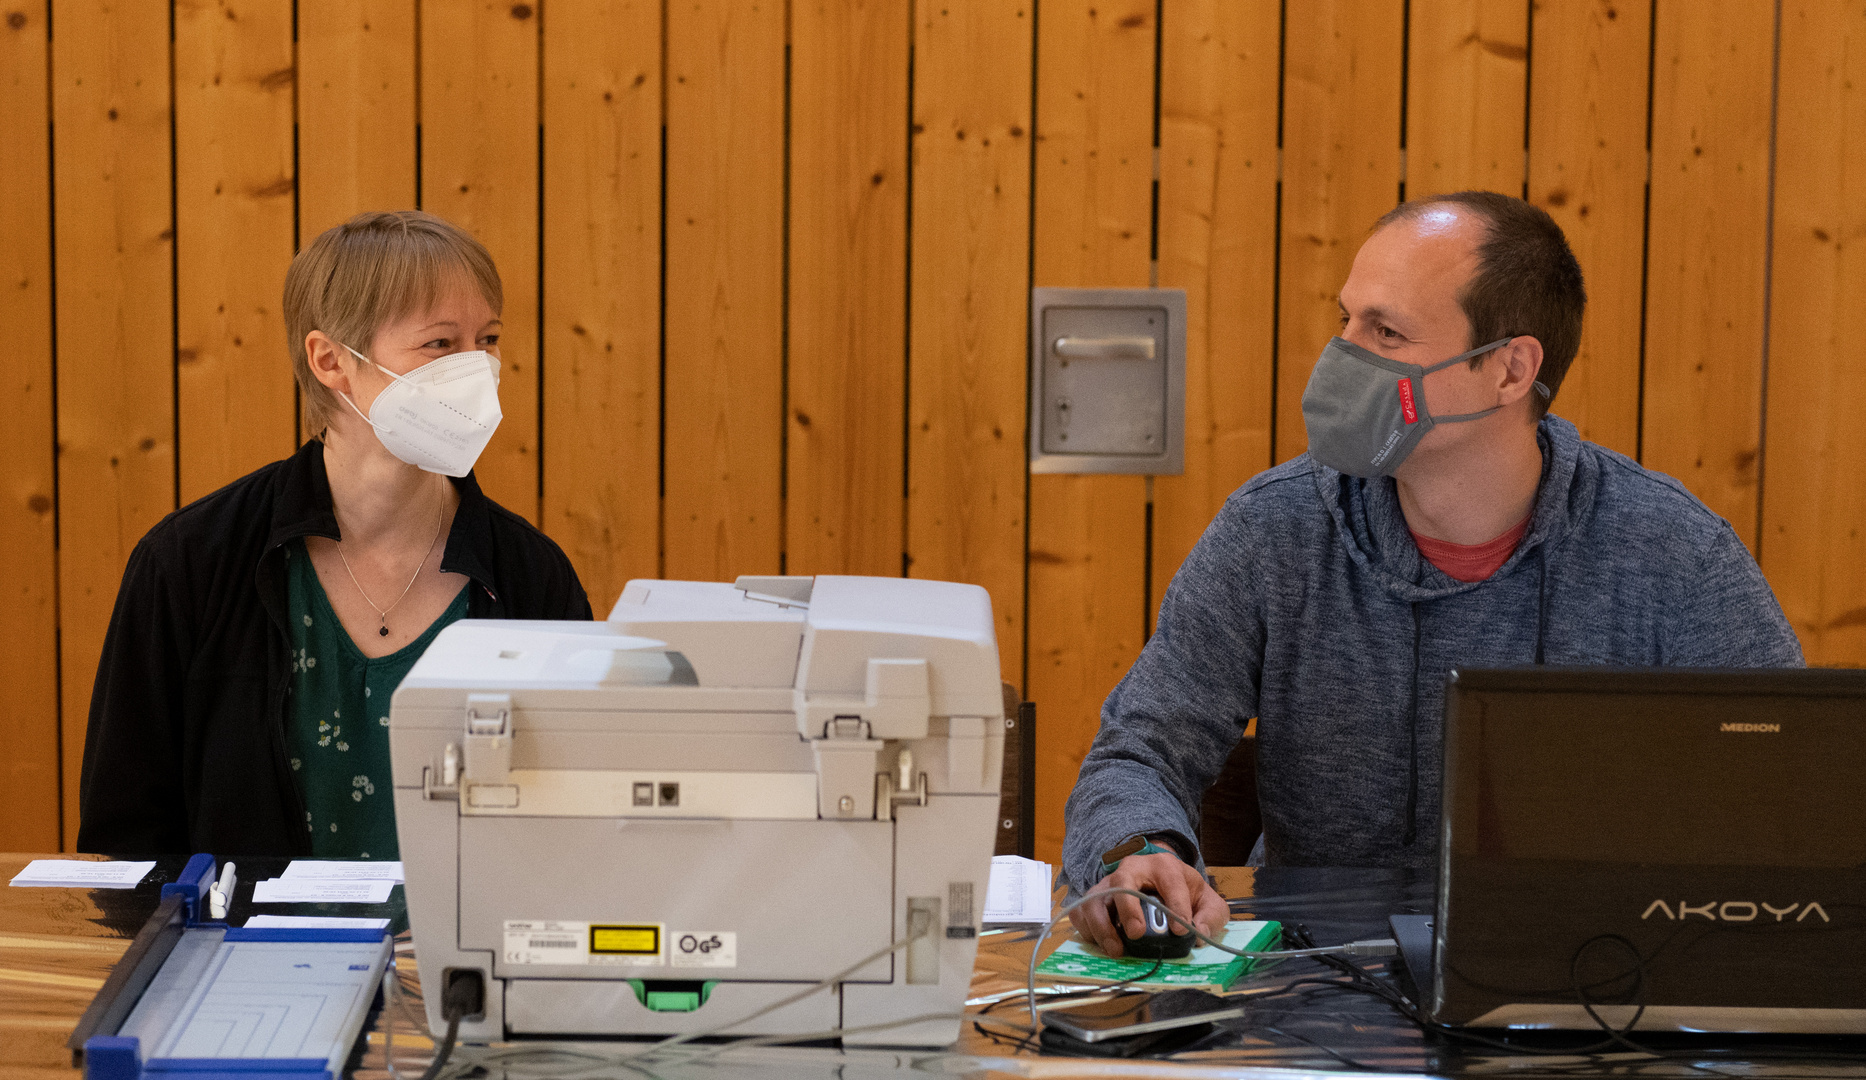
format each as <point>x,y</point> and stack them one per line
<point>57,946</point>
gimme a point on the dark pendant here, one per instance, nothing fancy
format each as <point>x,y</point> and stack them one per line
<point>384,632</point>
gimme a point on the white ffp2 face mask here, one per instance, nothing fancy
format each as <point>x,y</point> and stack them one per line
<point>439,416</point>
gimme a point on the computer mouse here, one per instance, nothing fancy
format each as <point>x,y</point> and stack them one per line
<point>1158,942</point>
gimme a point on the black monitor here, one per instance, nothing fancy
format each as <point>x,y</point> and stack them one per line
<point>1691,841</point>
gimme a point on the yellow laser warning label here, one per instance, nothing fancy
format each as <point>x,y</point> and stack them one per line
<point>628,940</point>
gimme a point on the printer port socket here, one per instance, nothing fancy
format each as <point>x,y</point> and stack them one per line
<point>463,994</point>
<point>644,794</point>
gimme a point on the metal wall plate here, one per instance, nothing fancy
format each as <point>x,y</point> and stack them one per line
<point>1107,381</point>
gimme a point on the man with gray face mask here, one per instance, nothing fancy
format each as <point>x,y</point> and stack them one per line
<point>1441,517</point>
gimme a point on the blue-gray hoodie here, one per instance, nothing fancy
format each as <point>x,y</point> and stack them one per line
<point>1306,604</point>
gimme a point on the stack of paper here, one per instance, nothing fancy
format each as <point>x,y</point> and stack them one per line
<point>315,922</point>
<point>82,874</point>
<point>312,881</point>
<point>1018,892</point>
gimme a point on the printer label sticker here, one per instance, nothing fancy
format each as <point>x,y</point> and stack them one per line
<point>553,942</point>
<point>704,948</point>
<point>546,942</point>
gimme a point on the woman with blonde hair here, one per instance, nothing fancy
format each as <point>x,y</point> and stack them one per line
<point>242,701</point>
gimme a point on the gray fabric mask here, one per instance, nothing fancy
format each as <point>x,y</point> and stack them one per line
<point>1364,422</point>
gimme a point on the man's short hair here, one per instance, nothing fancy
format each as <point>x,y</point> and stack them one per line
<point>358,277</point>
<point>1527,283</point>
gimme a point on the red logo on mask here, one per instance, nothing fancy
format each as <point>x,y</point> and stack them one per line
<point>1406,406</point>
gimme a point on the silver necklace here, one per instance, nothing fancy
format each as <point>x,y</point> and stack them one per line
<point>383,613</point>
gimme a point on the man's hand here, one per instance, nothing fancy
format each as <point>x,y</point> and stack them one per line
<point>1180,887</point>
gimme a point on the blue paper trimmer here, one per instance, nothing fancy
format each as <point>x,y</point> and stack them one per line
<point>195,996</point>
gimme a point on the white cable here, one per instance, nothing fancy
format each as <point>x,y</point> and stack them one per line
<point>675,1040</point>
<point>637,1061</point>
<point>513,1060</point>
<point>832,1033</point>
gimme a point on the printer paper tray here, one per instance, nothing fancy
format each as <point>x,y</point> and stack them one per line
<point>610,1007</point>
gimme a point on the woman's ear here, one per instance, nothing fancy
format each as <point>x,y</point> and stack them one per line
<point>326,360</point>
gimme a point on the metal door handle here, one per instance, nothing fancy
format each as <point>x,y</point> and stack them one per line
<point>1108,348</point>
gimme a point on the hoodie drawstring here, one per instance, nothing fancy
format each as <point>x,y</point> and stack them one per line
<point>1411,833</point>
<point>1412,768</point>
<point>1542,599</point>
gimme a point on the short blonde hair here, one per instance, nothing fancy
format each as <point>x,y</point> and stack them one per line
<point>358,277</point>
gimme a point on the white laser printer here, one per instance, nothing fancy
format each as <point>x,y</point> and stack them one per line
<point>662,823</point>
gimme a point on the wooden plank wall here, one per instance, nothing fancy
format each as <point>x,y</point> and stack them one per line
<point>767,267</point>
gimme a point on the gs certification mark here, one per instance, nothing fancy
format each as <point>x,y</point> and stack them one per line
<point>703,948</point>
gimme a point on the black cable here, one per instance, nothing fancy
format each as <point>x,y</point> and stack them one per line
<point>463,995</point>
<point>1023,1041</point>
<point>1639,991</point>
<point>1331,1052</point>
<point>1364,982</point>
<point>1359,980</point>
<point>444,1051</point>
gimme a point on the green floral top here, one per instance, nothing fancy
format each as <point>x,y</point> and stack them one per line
<point>338,740</point>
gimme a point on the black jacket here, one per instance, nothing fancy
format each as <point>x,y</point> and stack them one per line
<point>186,746</point>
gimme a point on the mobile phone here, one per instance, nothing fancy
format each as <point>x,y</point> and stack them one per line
<point>1129,1014</point>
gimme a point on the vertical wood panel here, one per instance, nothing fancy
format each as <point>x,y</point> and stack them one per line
<point>1218,87</point>
<point>29,617</point>
<point>1814,495</point>
<point>479,170</point>
<point>602,289</point>
<point>970,286</point>
<point>1341,171</point>
<point>724,283</point>
<point>1093,228</point>
<point>233,216</point>
<point>112,240</point>
<point>1710,185</point>
<point>356,110</point>
<point>1466,72</point>
<point>848,286</point>
<point>1587,168</point>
